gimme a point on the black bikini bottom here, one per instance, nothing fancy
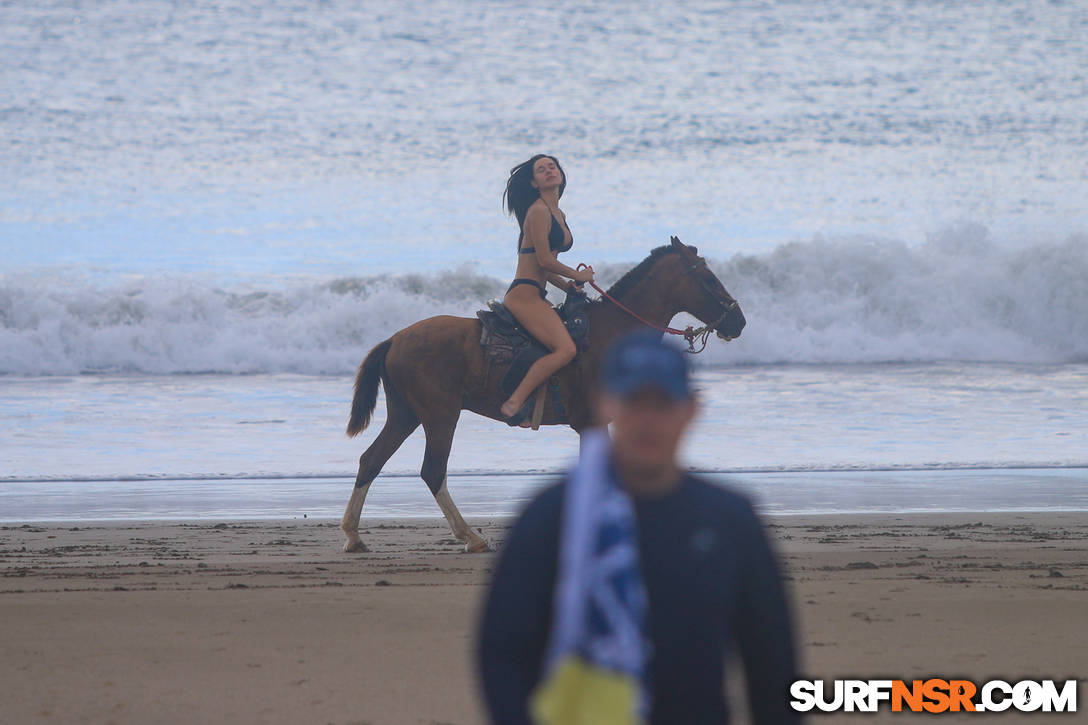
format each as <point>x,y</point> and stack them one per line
<point>526,280</point>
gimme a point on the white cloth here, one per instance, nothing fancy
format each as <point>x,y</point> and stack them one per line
<point>600,604</point>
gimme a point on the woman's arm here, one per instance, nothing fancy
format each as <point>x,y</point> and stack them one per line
<point>562,283</point>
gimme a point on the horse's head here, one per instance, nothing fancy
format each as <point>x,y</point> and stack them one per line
<point>702,294</point>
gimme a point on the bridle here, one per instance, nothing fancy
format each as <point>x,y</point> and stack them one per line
<point>727,305</point>
<point>689,333</point>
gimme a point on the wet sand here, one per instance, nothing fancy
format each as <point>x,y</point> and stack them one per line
<point>253,622</point>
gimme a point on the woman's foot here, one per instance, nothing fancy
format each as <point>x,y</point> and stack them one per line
<point>514,415</point>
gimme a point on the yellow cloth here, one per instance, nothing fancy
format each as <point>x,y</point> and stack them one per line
<point>578,693</point>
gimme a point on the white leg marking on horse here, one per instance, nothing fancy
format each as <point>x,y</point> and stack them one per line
<point>461,530</point>
<point>457,524</point>
<point>350,523</point>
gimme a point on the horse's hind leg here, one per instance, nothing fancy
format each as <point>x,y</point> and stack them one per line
<point>397,428</point>
<point>439,441</point>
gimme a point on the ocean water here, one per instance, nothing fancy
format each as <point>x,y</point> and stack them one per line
<point>213,211</point>
<point>798,438</point>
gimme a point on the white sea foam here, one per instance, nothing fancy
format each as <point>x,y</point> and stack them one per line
<point>173,324</point>
<point>956,297</point>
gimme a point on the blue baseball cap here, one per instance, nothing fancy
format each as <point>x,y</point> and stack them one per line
<point>643,359</point>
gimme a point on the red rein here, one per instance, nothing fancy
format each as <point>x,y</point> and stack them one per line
<point>688,333</point>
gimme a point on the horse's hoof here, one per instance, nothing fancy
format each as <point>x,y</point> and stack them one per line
<point>355,547</point>
<point>477,546</point>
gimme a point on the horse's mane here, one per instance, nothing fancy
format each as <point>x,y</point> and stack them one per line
<point>634,275</point>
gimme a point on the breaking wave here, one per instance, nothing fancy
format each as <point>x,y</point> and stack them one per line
<point>959,296</point>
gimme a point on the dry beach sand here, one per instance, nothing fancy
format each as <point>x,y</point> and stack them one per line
<point>251,622</point>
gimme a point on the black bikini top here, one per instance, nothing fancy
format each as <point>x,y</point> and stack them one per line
<point>555,239</point>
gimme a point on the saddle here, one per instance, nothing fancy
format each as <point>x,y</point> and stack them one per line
<point>506,342</point>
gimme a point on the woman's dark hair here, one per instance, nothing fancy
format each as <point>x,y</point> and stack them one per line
<point>520,193</point>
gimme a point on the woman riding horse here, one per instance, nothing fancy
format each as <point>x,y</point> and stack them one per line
<point>532,196</point>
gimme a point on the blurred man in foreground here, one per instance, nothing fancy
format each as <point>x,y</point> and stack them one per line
<point>621,589</point>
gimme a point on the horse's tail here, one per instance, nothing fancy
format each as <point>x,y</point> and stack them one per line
<point>366,388</point>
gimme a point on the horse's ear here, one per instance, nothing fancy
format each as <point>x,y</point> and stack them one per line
<point>677,244</point>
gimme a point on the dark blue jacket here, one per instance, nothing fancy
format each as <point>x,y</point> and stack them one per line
<point>711,580</point>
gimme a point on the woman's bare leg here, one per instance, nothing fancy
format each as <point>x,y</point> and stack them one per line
<point>542,322</point>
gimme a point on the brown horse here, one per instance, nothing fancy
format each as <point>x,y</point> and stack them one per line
<point>435,368</point>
